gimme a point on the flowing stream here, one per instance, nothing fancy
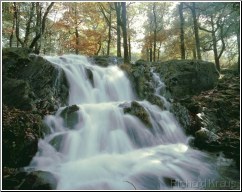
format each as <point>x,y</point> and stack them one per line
<point>106,148</point>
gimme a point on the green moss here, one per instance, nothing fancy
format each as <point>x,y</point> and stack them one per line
<point>137,110</point>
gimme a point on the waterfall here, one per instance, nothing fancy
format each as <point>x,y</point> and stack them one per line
<point>103,147</point>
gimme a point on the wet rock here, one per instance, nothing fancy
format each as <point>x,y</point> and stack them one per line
<point>155,100</point>
<point>137,110</point>
<point>183,116</point>
<point>70,116</point>
<point>56,142</point>
<point>39,180</point>
<point>205,139</point>
<point>90,76</point>
<point>104,61</point>
<point>28,78</point>
<point>12,178</point>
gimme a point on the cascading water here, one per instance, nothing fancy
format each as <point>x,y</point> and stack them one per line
<point>108,149</point>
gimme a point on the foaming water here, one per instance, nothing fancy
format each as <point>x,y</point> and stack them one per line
<point>106,148</point>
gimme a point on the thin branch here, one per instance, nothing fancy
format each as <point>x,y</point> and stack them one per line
<point>131,184</point>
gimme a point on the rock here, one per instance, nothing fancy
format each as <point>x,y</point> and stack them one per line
<point>104,61</point>
<point>13,178</point>
<point>141,62</point>
<point>20,132</point>
<point>28,78</point>
<point>205,139</point>
<point>17,93</point>
<point>187,77</point>
<point>137,110</point>
<point>90,76</point>
<point>39,180</point>
<point>155,100</point>
<point>70,116</point>
<point>36,180</point>
<point>218,110</point>
<point>182,115</point>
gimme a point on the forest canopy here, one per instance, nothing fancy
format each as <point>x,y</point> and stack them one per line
<point>153,31</point>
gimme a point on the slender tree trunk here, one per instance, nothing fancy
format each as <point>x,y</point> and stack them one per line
<point>154,46</point>
<point>195,25</point>
<point>30,20</point>
<point>194,53</point>
<point>76,31</point>
<point>147,54</point>
<point>154,32</point>
<point>150,54</point>
<point>119,42</point>
<point>238,45</point>
<point>43,23</point>
<point>129,42</point>
<point>108,20</point>
<point>215,51</point>
<point>16,17</point>
<point>12,32</point>
<point>109,34</point>
<point>182,45</point>
<point>118,15</point>
<point>124,29</point>
<point>99,48</point>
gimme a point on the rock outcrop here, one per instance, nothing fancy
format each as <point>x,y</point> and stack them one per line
<point>30,82</point>
<point>206,106</point>
<point>32,88</point>
<point>185,78</point>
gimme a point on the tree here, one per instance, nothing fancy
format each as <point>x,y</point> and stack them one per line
<point>180,7</point>
<point>106,10</point>
<point>124,30</point>
<point>195,26</point>
<point>34,22</point>
<point>215,24</point>
<point>118,16</point>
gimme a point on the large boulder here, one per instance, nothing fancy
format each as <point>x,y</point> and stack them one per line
<point>21,131</point>
<point>104,61</point>
<point>32,87</point>
<point>185,78</point>
<point>21,180</point>
<point>29,79</point>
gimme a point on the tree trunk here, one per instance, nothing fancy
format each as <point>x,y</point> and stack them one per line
<point>182,45</point>
<point>109,33</point>
<point>124,29</point>
<point>16,17</point>
<point>215,51</point>
<point>154,46</point>
<point>11,36</point>
<point>30,20</point>
<point>108,20</point>
<point>155,32</point>
<point>194,53</point>
<point>43,22</point>
<point>129,41</point>
<point>150,54</point>
<point>118,15</point>
<point>195,25</point>
<point>238,45</point>
<point>76,31</point>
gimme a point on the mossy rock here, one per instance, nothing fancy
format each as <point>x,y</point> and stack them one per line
<point>70,116</point>
<point>137,110</point>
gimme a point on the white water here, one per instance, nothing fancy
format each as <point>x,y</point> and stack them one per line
<point>107,149</point>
